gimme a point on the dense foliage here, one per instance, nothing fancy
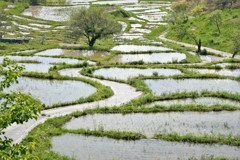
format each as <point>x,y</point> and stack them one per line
<point>15,108</point>
<point>93,23</point>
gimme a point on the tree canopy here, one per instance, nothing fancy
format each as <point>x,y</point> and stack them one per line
<point>216,18</point>
<point>92,23</point>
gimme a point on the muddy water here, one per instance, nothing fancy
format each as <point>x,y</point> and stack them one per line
<point>168,86</point>
<point>125,73</point>
<point>211,123</point>
<point>83,147</point>
<point>52,92</point>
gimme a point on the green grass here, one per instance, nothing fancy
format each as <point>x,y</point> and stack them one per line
<point>155,33</point>
<point>3,5</point>
<point>110,134</point>
<point>208,32</point>
<point>208,139</point>
<point>20,7</point>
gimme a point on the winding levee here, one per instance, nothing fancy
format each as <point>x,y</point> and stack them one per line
<point>123,93</point>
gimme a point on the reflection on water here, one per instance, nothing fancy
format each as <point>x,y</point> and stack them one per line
<point>36,67</point>
<point>46,60</point>
<point>162,86</point>
<point>212,123</point>
<point>150,58</point>
<point>52,92</point>
<point>72,53</point>
<point>54,13</point>
<point>209,101</point>
<point>136,48</point>
<point>125,73</point>
<point>224,72</point>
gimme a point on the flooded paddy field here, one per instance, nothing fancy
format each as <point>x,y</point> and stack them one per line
<point>136,48</point>
<point>208,101</point>
<point>72,53</point>
<point>55,13</point>
<point>212,123</point>
<point>109,2</point>
<point>150,58</point>
<point>125,73</point>
<point>46,60</point>
<point>97,148</point>
<point>224,72</point>
<point>51,92</point>
<point>169,86</point>
<point>36,67</point>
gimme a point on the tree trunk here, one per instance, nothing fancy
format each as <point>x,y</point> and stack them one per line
<point>219,31</point>
<point>199,45</point>
<point>234,54</point>
<point>91,42</point>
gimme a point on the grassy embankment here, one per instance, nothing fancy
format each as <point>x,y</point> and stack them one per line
<point>208,32</point>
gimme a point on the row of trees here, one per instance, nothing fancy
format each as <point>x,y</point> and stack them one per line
<point>210,5</point>
<point>37,2</point>
<point>181,12</point>
<point>222,4</point>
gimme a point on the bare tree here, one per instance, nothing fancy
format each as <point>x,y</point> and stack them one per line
<point>92,23</point>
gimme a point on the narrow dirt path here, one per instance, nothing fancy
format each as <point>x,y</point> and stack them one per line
<point>123,93</point>
<point>224,54</point>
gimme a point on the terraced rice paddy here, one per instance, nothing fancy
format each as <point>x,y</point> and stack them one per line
<point>135,48</point>
<point>137,86</point>
<point>150,58</point>
<point>208,101</point>
<point>71,53</point>
<point>162,86</point>
<point>51,92</point>
<point>221,123</point>
<point>79,146</point>
<point>125,73</point>
<point>224,72</point>
<point>50,13</point>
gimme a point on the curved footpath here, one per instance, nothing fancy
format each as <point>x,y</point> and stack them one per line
<point>123,93</point>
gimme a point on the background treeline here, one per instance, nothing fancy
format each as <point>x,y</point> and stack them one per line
<point>37,2</point>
